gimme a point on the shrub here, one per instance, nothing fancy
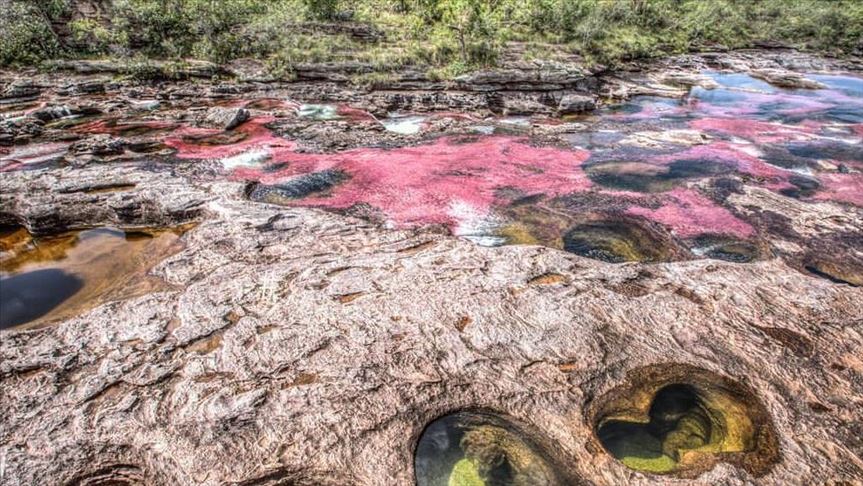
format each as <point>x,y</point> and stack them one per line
<point>27,37</point>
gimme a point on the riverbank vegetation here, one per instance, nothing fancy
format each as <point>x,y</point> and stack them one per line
<point>446,37</point>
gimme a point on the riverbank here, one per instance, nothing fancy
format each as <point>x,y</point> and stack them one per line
<point>563,250</point>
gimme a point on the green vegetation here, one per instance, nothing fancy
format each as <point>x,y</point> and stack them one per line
<point>446,37</point>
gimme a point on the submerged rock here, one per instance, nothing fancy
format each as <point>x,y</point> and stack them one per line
<point>298,187</point>
<point>787,79</point>
<point>619,240</point>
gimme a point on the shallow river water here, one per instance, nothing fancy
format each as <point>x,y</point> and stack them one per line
<point>652,180</point>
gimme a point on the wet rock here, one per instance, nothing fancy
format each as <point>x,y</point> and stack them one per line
<point>50,113</point>
<point>256,322</point>
<point>21,129</point>
<point>573,104</point>
<point>298,187</point>
<point>786,79</point>
<point>226,118</point>
<point>688,79</point>
<point>99,145</point>
<point>523,106</point>
<point>55,202</point>
<point>57,112</point>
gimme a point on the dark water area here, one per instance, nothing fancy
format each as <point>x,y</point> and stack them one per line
<point>678,421</point>
<point>50,278</point>
<point>31,295</point>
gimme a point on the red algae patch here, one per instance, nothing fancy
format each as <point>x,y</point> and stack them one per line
<point>203,143</point>
<point>446,181</point>
<point>841,187</point>
<point>690,214</point>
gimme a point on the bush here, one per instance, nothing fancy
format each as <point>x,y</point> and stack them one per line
<point>322,9</point>
<point>26,37</point>
<point>446,36</point>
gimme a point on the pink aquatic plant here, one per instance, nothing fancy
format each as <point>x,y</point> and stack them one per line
<point>411,185</point>
<point>846,188</point>
<point>688,214</point>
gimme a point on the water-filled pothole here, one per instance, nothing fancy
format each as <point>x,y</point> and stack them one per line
<point>477,449</point>
<point>647,177</point>
<point>619,240</point>
<point>683,420</point>
<point>315,183</point>
<point>46,279</point>
<point>728,249</point>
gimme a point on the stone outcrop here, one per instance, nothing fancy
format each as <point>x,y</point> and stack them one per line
<point>300,347</point>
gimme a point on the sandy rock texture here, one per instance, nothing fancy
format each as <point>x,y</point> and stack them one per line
<point>298,347</point>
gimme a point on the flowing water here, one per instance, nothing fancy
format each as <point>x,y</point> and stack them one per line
<point>652,179</point>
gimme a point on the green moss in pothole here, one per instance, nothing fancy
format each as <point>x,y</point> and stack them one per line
<point>480,449</point>
<point>683,420</point>
<point>678,422</point>
<point>620,240</point>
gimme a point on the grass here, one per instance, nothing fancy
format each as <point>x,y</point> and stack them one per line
<point>444,37</point>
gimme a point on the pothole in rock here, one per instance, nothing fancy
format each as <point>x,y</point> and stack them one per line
<point>683,420</point>
<point>720,247</point>
<point>647,177</point>
<point>315,183</point>
<point>620,240</point>
<point>478,449</point>
<point>46,279</point>
<point>836,270</point>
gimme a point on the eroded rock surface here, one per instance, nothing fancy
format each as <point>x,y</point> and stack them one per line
<point>291,345</point>
<point>308,348</point>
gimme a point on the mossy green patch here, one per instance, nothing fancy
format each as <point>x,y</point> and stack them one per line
<point>465,473</point>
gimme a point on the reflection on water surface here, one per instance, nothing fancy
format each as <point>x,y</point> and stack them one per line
<point>52,278</point>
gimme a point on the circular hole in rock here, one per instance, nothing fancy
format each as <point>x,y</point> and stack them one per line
<point>477,449</point>
<point>620,240</point>
<point>683,420</point>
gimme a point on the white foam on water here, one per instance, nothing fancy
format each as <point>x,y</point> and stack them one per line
<point>404,125</point>
<point>252,158</point>
<point>474,224</point>
<point>318,112</point>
